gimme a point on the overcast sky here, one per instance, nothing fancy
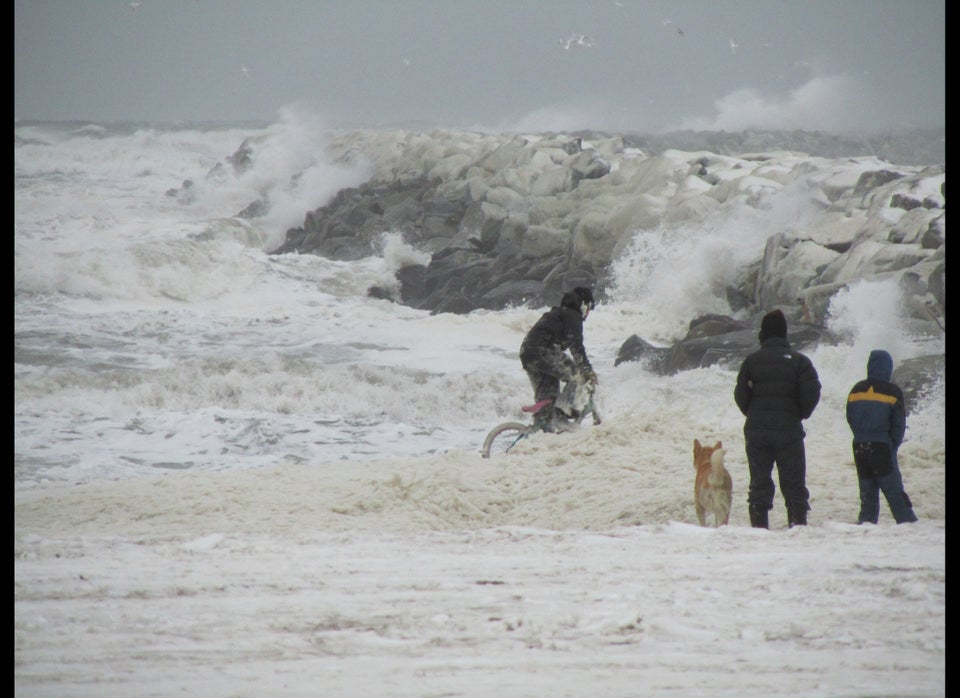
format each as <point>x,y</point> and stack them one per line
<point>645,65</point>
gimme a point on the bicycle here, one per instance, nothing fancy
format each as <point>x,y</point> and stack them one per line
<point>506,435</point>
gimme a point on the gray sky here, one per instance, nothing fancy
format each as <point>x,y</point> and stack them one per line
<point>832,65</point>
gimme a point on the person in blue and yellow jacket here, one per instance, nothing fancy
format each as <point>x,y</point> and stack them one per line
<point>877,416</point>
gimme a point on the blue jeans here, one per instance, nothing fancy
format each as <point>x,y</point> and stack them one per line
<point>891,485</point>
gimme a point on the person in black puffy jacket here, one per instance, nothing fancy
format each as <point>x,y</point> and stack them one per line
<point>552,351</point>
<point>777,388</point>
<point>877,417</point>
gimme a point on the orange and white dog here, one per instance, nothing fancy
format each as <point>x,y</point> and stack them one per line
<point>713,486</point>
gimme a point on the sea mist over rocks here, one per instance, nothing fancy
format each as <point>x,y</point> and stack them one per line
<point>477,220</point>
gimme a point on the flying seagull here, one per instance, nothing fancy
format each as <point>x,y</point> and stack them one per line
<point>576,41</point>
<point>733,46</point>
<point>670,21</point>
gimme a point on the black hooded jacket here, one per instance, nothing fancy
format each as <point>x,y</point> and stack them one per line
<point>558,329</point>
<point>776,388</point>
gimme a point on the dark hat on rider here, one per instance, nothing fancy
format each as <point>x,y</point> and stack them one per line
<point>577,298</point>
<point>774,324</point>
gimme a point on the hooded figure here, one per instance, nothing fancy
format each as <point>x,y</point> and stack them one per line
<point>773,324</point>
<point>777,388</point>
<point>553,350</point>
<point>877,417</point>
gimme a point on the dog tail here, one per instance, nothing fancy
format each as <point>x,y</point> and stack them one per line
<point>717,471</point>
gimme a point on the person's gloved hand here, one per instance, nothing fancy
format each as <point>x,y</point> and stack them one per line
<point>591,376</point>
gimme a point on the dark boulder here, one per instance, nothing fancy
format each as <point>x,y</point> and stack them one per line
<point>712,340</point>
<point>915,376</point>
<point>652,358</point>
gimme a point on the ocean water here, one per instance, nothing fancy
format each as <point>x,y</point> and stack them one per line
<point>155,335</point>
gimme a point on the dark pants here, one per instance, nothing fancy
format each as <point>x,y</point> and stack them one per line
<point>766,448</point>
<point>891,485</point>
<point>545,368</point>
<point>877,471</point>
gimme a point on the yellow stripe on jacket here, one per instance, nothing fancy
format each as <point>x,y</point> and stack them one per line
<point>872,396</point>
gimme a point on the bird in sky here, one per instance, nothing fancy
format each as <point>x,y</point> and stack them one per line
<point>576,41</point>
<point>670,21</point>
<point>733,46</point>
<point>245,70</point>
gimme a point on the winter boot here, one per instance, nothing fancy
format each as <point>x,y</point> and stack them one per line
<point>797,514</point>
<point>758,517</point>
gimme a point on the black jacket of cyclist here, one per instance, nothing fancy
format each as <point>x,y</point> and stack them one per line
<point>553,348</point>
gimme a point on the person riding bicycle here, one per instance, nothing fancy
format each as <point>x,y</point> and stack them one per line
<point>543,351</point>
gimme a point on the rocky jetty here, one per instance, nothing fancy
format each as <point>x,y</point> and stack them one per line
<point>515,219</point>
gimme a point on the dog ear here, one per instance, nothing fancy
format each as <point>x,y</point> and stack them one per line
<point>696,446</point>
<point>719,445</point>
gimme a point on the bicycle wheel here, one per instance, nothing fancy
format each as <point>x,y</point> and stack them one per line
<point>503,437</point>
